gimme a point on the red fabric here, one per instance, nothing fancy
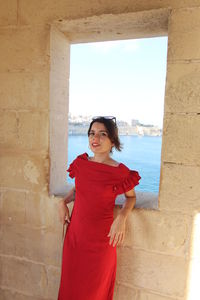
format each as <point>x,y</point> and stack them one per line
<point>89,262</point>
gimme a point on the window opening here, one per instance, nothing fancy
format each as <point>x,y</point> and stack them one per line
<point>125,79</point>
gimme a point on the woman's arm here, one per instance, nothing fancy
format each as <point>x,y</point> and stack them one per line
<point>117,230</point>
<point>63,209</point>
<point>69,197</point>
<point>128,204</point>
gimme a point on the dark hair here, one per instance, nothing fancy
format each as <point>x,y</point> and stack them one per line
<point>112,131</point>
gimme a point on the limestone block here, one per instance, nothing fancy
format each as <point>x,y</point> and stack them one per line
<point>24,130</point>
<point>24,90</point>
<point>28,172</point>
<point>123,292</point>
<point>24,48</point>
<point>33,130</point>
<point>182,88</point>
<point>110,26</point>
<point>42,211</point>
<point>13,207</point>
<point>158,231</point>
<point>60,53</point>
<point>144,295</point>
<point>8,294</point>
<point>53,275</point>
<point>35,244</point>
<point>21,275</point>
<point>47,11</point>
<point>164,274</point>
<point>181,139</point>
<point>180,189</point>
<point>8,12</point>
<point>59,95</point>
<point>53,247</point>
<point>8,128</point>
<point>183,34</point>
<point>23,241</point>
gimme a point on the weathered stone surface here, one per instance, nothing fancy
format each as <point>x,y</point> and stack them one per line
<point>60,54</point>
<point>48,11</point>
<point>179,188</point>
<point>13,207</point>
<point>158,231</point>
<point>35,244</point>
<point>122,26</point>
<point>23,276</point>
<point>53,275</point>
<point>59,97</point>
<point>24,130</point>
<point>23,171</point>
<point>24,90</point>
<point>144,295</point>
<point>8,12</point>
<point>8,294</point>
<point>184,38</point>
<point>123,292</point>
<point>159,273</point>
<point>182,88</point>
<point>35,44</point>
<point>33,130</point>
<point>181,139</point>
<point>42,210</point>
<point>8,128</point>
<point>60,94</point>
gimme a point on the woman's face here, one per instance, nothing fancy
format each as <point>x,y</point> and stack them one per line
<point>99,141</point>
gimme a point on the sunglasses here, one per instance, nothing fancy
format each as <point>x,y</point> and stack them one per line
<point>111,118</point>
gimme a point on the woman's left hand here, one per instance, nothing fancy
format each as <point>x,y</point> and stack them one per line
<point>117,230</point>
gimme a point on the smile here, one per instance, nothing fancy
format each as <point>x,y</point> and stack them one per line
<point>95,145</point>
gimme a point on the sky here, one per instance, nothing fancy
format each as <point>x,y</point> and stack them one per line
<point>125,79</point>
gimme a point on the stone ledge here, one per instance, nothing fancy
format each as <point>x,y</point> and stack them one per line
<point>143,199</point>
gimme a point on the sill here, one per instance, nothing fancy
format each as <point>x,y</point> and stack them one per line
<point>145,200</point>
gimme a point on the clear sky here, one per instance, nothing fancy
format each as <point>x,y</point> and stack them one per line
<point>125,79</point>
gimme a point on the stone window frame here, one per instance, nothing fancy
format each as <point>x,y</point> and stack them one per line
<point>63,33</point>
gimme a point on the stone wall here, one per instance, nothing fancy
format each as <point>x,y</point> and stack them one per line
<point>158,254</point>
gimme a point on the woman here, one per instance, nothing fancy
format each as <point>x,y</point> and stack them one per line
<point>89,250</point>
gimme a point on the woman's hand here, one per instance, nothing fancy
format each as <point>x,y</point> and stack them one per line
<point>63,212</point>
<point>117,230</point>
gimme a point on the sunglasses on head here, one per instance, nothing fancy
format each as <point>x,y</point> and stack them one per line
<point>111,118</point>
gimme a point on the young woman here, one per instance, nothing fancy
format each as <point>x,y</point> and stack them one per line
<point>89,250</point>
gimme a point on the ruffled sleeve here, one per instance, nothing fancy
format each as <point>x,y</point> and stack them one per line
<point>128,183</point>
<point>72,169</point>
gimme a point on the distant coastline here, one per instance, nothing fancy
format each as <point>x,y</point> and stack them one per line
<point>78,125</point>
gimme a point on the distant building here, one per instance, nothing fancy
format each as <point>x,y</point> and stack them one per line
<point>78,125</point>
<point>134,122</point>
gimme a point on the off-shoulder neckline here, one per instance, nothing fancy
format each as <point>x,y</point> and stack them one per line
<point>86,157</point>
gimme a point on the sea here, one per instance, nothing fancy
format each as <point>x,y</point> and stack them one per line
<point>140,153</point>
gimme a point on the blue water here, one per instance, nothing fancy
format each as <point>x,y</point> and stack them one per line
<point>139,153</point>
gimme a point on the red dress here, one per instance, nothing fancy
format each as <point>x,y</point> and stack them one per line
<point>88,261</point>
